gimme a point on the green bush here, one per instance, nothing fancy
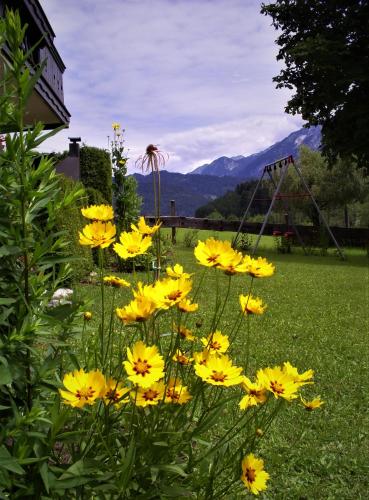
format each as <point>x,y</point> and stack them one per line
<point>190,238</point>
<point>96,172</point>
<point>94,197</point>
<point>71,221</point>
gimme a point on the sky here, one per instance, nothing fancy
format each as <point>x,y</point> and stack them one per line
<point>191,76</point>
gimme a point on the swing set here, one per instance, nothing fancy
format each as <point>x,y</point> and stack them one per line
<point>276,173</point>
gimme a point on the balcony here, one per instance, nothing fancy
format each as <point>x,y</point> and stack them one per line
<point>46,103</point>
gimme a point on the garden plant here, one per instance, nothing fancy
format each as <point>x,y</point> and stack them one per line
<point>152,403</point>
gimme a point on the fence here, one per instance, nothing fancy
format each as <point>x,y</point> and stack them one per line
<point>357,237</point>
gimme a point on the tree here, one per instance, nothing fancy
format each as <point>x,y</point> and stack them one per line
<point>332,188</point>
<point>325,48</point>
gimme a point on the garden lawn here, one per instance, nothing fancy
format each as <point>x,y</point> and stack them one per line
<point>317,317</point>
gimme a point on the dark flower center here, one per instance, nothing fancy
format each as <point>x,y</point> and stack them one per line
<point>250,475</point>
<point>218,376</point>
<point>277,387</point>
<point>141,367</point>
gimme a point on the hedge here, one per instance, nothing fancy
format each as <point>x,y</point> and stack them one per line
<point>96,171</point>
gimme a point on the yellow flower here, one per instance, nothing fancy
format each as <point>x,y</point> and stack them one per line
<point>139,309</point>
<point>149,396</point>
<point>187,306</point>
<point>87,316</point>
<point>253,476</point>
<point>251,305</point>
<point>144,229</point>
<point>82,388</point>
<point>145,365</point>
<point>177,272</point>
<point>256,394</point>
<point>116,282</point>
<point>146,291</point>
<point>114,393</point>
<point>115,126</point>
<point>185,333</point>
<point>98,212</point>
<point>259,268</point>
<point>216,342</point>
<point>169,292</point>
<point>232,263</point>
<point>313,404</point>
<point>299,378</point>
<point>219,370</point>
<point>201,358</point>
<point>208,253</point>
<point>98,234</point>
<point>177,393</point>
<point>132,244</point>
<point>277,381</point>
<point>181,358</point>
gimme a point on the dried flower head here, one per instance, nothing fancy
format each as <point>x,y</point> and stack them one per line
<point>152,160</point>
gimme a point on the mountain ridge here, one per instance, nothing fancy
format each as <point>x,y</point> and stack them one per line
<point>249,167</point>
<point>209,181</point>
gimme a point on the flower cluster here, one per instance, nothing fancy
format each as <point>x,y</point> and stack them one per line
<point>160,373</point>
<point>101,233</point>
<point>221,255</point>
<point>162,295</point>
<point>84,388</point>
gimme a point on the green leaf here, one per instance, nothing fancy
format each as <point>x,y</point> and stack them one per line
<point>173,469</point>
<point>6,250</point>
<point>44,472</point>
<point>5,375</point>
<point>175,491</point>
<point>5,301</point>
<point>9,462</point>
<point>74,360</point>
<point>127,465</point>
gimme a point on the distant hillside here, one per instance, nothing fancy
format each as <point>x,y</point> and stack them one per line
<point>189,191</point>
<point>204,184</point>
<point>249,167</point>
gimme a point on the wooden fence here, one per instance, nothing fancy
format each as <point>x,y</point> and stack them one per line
<point>358,237</point>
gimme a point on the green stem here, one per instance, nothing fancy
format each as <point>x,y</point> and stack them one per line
<point>111,323</point>
<point>224,302</point>
<point>102,290</point>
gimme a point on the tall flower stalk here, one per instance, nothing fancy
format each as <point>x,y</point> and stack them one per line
<point>152,161</point>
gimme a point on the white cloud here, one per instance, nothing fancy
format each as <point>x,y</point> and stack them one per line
<point>192,75</point>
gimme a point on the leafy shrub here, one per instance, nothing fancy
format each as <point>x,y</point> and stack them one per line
<point>94,197</point>
<point>190,238</point>
<point>245,242</point>
<point>70,221</point>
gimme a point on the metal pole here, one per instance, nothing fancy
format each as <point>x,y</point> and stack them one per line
<point>270,208</point>
<point>173,212</point>
<point>247,210</point>
<point>319,212</point>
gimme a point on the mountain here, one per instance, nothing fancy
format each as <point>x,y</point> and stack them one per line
<point>249,167</point>
<point>189,191</point>
<point>205,183</point>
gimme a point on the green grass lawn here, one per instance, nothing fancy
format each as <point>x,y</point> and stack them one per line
<point>317,317</point>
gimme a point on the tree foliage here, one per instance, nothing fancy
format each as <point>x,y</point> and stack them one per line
<point>332,188</point>
<point>325,47</point>
<point>234,203</point>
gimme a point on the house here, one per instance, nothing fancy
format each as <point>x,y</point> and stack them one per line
<point>46,103</point>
